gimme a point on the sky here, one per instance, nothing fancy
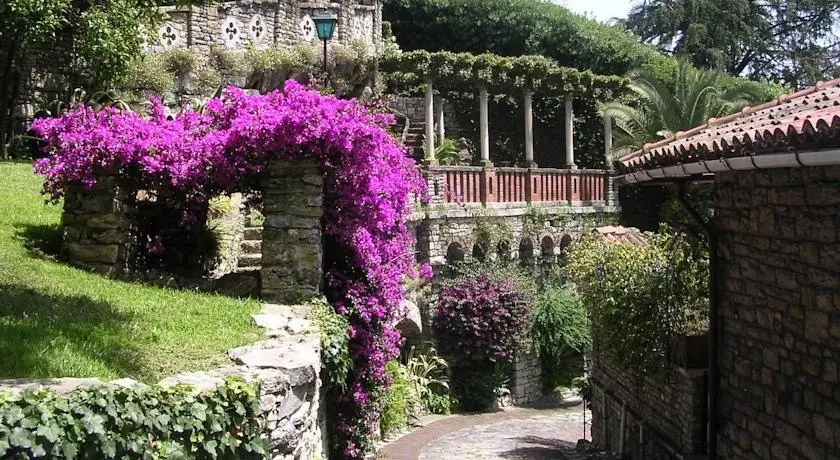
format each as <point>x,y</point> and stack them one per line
<point>602,10</point>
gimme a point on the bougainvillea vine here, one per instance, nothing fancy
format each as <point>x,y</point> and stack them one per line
<point>225,147</point>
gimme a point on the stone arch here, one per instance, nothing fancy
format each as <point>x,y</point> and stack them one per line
<point>454,252</point>
<point>479,252</point>
<point>503,251</point>
<point>526,251</point>
<point>565,242</point>
<point>547,249</point>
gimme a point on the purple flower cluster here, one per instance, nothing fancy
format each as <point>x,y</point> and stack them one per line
<point>225,148</point>
<point>480,319</point>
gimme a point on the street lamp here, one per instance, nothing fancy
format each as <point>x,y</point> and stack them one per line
<point>325,27</point>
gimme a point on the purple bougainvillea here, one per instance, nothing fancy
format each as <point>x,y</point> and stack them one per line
<point>480,319</point>
<point>224,148</point>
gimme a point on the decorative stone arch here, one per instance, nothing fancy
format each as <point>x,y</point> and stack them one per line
<point>565,242</point>
<point>547,249</point>
<point>455,252</point>
<point>526,251</point>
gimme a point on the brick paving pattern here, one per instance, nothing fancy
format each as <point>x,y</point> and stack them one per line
<point>520,434</point>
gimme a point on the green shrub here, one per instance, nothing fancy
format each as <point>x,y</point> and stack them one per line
<point>149,73</point>
<point>559,333</point>
<point>141,422</point>
<point>427,373</point>
<point>335,343</point>
<point>642,296</point>
<point>476,385</point>
<point>399,401</point>
<point>439,404</point>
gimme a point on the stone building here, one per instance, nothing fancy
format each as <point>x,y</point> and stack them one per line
<point>774,342</point>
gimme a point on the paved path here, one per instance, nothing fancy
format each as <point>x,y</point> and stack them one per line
<point>519,434</point>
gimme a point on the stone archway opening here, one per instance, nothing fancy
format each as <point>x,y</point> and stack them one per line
<point>503,251</point>
<point>526,252</point>
<point>479,252</point>
<point>547,249</point>
<point>454,253</point>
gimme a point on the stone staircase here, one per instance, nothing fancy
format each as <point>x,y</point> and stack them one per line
<point>415,137</point>
<point>250,256</point>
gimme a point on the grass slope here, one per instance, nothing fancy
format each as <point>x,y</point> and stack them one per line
<point>58,321</point>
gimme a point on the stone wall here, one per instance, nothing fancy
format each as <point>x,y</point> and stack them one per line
<point>292,252</point>
<point>98,226</point>
<point>287,367</point>
<point>780,313</point>
<point>527,379</point>
<point>280,23</point>
<point>663,419</point>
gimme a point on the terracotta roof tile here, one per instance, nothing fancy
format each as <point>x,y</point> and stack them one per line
<point>808,118</point>
<point>625,235</point>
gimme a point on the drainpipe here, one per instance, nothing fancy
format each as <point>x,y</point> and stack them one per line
<point>714,323</point>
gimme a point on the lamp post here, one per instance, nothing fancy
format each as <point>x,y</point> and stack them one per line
<point>325,28</point>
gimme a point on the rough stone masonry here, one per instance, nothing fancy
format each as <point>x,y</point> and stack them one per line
<point>780,313</point>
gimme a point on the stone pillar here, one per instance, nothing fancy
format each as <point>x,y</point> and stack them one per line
<point>292,248</point>
<point>570,143</point>
<point>430,124</point>
<point>610,192</point>
<point>98,226</point>
<point>439,126</point>
<point>484,128</point>
<point>608,141</point>
<point>529,130</point>
<point>527,378</point>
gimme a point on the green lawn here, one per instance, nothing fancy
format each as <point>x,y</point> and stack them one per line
<point>58,321</point>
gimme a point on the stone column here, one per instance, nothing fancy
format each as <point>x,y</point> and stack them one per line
<point>527,378</point>
<point>608,141</point>
<point>529,130</point>
<point>441,130</point>
<point>292,248</point>
<point>610,195</point>
<point>99,227</point>
<point>430,124</point>
<point>484,129</point>
<point>570,143</point>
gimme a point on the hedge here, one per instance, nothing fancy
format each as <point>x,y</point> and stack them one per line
<point>138,422</point>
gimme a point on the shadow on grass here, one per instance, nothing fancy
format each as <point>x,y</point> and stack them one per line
<point>539,448</point>
<point>53,335</point>
<point>43,241</point>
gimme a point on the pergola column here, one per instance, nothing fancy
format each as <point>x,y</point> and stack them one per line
<point>430,124</point>
<point>608,141</point>
<point>570,143</point>
<point>529,130</point>
<point>484,128</point>
<point>441,131</point>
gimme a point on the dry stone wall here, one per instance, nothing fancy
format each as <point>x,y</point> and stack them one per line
<point>527,379</point>
<point>287,367</point>
<point>780,313</point>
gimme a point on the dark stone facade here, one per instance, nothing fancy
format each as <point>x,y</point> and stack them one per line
<point>780,313</point>
<point>664,418</point>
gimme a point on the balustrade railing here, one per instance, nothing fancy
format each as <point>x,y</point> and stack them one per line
<point>477,185</point>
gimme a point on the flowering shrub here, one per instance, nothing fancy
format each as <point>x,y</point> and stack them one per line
<point>481,319</point>
<point>224,148</point>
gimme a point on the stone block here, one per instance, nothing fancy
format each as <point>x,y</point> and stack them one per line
<point>99,253</point>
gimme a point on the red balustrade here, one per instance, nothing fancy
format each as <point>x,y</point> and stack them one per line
<point>473,184</point>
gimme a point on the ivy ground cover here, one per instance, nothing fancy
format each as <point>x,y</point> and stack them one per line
<point>58,321</point>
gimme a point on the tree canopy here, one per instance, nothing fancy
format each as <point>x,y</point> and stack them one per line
<point>783,40</point>
<point>663,109</point>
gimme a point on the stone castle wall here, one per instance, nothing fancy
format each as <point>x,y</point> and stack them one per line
<point>780,313</point>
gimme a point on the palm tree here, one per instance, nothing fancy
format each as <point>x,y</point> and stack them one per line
<point>661,109</point>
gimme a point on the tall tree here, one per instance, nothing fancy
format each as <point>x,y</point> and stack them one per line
<point>791,41</point>
<point>661,109</point>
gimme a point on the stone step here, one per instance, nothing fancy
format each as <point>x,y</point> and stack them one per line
<point>253,233</point>
<point>249,260</point>
<point>255,269</point>
<point>252,246</point>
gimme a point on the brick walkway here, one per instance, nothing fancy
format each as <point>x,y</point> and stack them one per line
<point>520,434</point>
